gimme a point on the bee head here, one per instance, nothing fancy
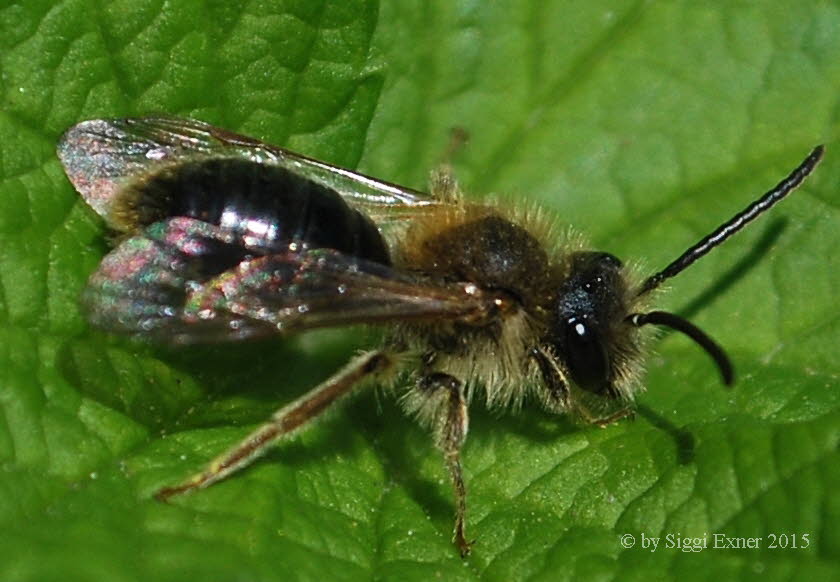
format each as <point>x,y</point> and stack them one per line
<point>594,330</point>
<point>589,318</point>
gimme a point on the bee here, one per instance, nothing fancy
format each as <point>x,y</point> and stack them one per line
<point>225,238</point>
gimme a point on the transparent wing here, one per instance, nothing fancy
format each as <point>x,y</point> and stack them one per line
<point>101,155</point>
<point>141,287</point>
<point>186,281</point>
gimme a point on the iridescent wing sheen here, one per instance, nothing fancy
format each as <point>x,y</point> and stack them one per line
<point>186,281</point>
<point>100,156</point>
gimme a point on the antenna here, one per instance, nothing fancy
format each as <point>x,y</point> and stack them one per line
<point>737,222</point>
<point>677,323</point>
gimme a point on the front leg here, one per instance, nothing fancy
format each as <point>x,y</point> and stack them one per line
<point>557,397</point>
<point>438,400</point>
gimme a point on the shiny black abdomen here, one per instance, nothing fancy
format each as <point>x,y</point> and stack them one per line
<point>267,207</point>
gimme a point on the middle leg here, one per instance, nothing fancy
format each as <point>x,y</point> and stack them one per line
<point>438,400</point>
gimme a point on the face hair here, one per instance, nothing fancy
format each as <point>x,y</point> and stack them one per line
<point>677,323</point>
<point>736,223</point>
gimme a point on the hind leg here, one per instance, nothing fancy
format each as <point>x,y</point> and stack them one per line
<point>286,421</point>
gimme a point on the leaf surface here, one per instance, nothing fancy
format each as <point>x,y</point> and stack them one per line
<point>642,124</point>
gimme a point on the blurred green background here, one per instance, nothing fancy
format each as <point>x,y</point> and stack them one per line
<point>643,124</point>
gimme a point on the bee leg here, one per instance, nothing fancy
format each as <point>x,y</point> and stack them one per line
<point>450,424</point>
<point>605,421</point>
<point>442,182</point>
<point>557,396</point>
<point>555,387</point>
<point>458,138</point>
<point>287,421</point>
<point>444,186</point>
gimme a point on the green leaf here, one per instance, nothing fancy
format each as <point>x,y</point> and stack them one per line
<point>642,124</point>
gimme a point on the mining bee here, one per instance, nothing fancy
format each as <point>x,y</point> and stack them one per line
<point>225,238</point>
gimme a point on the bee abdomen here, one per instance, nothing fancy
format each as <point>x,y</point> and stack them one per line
<point>268,208</point>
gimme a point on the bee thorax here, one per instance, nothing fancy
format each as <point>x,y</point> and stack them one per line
<point>478,246</point>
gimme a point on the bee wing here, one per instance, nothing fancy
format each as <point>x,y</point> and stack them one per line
<point>186,281</point>
<point>141,288</point>
<point>325,288</point>
<point>101,155</point>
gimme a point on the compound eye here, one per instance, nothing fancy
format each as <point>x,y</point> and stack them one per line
<point>585,356</point>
